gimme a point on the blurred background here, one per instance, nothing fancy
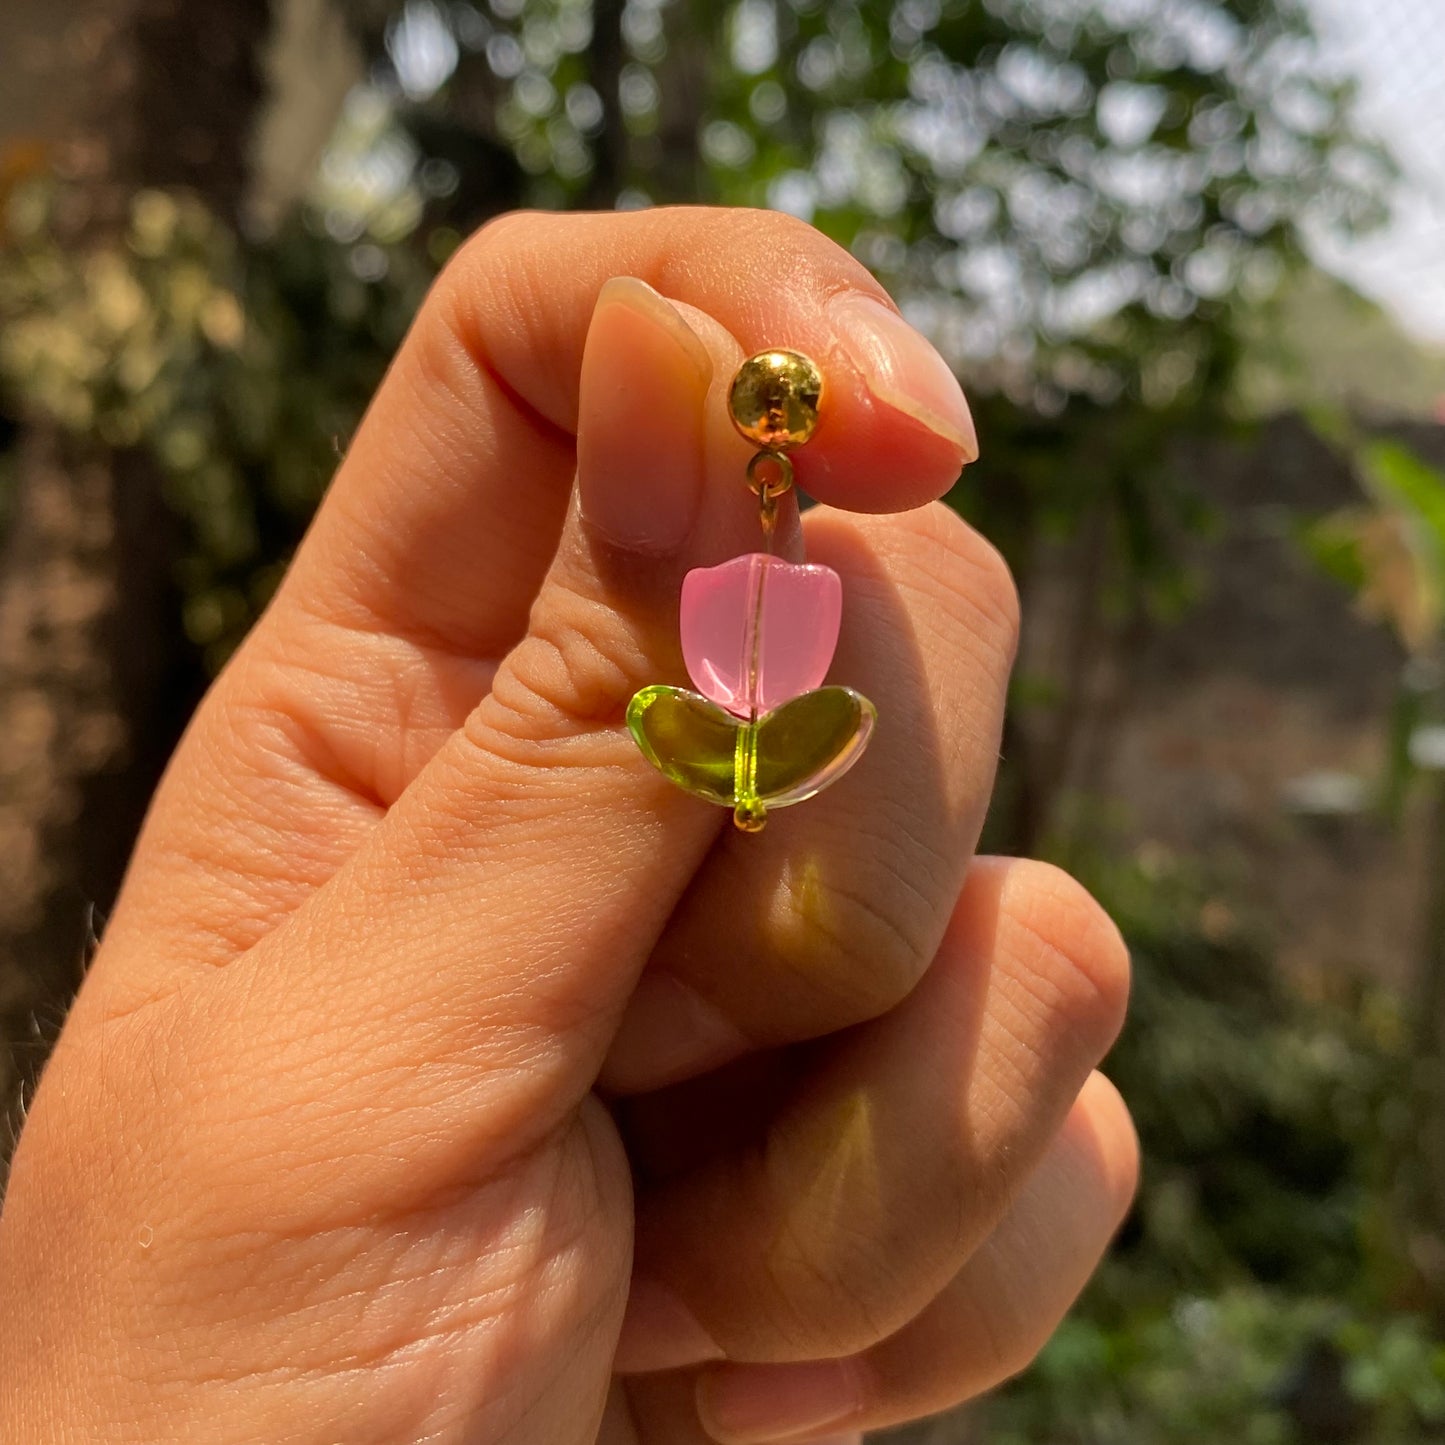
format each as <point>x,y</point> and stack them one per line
<point>1188,257</point>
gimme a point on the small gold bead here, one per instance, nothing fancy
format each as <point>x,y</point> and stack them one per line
<point>750,817</point>
<point>774,399</point>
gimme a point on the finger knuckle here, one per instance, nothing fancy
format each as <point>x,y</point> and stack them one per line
<point>836,1287</point>
<point>573,673</point>
<point>1013,1338</point>
<point>863,936</point>
<point>480,251</point>
<point>799,253</point>
<point>1075,954</point>
<point>495,291</point>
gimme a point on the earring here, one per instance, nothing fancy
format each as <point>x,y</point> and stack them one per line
<point>758,634</point>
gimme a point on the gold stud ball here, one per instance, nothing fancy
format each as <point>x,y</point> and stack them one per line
<point>774,399</point>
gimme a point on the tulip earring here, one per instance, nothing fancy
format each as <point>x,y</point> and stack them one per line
<point>758,634</point>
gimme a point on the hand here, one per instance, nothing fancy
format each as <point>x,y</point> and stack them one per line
<point>322,1153</point>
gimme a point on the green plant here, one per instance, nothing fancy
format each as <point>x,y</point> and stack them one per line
<point>241,370</point>
<point>1260,1281</point>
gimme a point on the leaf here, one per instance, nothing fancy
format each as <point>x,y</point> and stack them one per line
<point>789,755</point>
<point>689,740</point>
<point>811,741</point>
<point>1398,476</point>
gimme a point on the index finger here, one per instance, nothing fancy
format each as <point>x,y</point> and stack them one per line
<point>446,514</point>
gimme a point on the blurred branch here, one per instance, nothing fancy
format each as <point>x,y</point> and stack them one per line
<point>605,58</point>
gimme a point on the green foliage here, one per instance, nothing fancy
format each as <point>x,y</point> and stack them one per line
<point>1073,196</point>
<point>242,373</point>
<point>1395,473</point>
<point>1230,1366</point>
<point>1390,553</point>
<point>1258,1278</point>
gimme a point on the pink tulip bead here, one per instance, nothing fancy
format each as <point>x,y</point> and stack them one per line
<point>791,625</point>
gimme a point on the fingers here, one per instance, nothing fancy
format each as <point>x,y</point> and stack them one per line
<point>421,569</point>
<point>490,925</point>
<point>644,361</point>
<point>447,512</point>
<point>473,955</point>
<point>831,916</point>
<point>988,1323</point>
<point>900,1151</point>
<point>448,509</point>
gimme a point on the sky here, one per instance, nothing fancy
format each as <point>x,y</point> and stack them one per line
<point>1396,49</point>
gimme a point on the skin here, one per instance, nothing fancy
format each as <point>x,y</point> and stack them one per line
<point>432,1026</point>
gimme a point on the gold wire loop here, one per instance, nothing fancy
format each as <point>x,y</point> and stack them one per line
<point>768,516</point>
<point>770,490</point>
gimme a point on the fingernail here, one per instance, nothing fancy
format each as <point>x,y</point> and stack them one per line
<point>902,369</point>
<point>668,1031</point>
<point>659,1332</point>
<point>645,375</point>
<point>742,1405</point>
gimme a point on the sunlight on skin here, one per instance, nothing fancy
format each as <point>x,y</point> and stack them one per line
<point>801,913</point>
<point>842,1197</point>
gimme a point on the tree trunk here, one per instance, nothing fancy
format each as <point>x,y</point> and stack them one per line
<point>95,675</point>
<point>605,56</point>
